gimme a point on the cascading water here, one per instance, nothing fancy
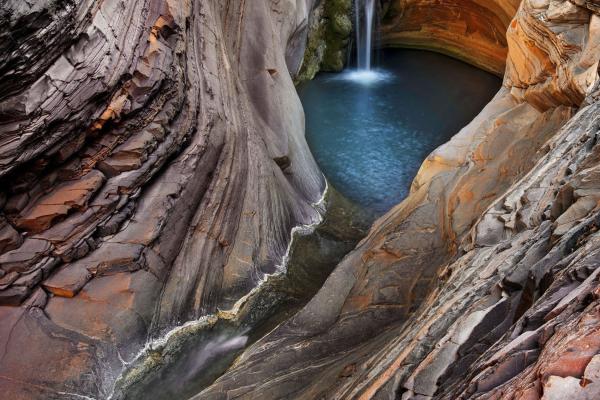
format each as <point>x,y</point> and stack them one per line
<point>364,12</point>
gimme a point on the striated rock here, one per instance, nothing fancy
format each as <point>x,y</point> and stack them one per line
<point>14,295</point>
<point>9,237</point>
<point>138,187</point>
<point>68,280</point>
<point>567,70</point>
<point>480,284</point>
<point>470,30</point>
<point>152,165</point>
<point>43,213</point>
<point>26,256</point>
<point>8,278</point>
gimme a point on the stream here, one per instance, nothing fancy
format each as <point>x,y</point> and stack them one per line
<point>369,131</point>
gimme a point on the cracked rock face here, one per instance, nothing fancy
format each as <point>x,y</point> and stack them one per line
<point>139,178</point>
<point>152,165</point>
<point>483,283</point>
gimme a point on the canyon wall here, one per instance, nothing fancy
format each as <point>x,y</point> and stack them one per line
<point>483,283</point>
<point>152,165</point>
<point>471,30</point>
<point>328,38</point>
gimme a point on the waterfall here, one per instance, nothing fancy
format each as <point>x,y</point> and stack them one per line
<point>364,26</point>
<point>364,13</point>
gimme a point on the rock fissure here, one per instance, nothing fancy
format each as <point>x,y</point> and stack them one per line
<point>153,165</point>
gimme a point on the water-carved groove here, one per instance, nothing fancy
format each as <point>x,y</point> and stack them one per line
<point>153,165</point>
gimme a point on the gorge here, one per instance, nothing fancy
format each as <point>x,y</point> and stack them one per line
<point>158,199</point>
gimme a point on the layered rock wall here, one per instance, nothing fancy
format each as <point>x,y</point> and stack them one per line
<point>484,280</point>
<point>471,30</point>
<point>152,165</point>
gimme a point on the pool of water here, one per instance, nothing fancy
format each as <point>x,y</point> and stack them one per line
<point>370,132</point>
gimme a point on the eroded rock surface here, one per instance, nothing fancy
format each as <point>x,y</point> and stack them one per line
<point>483,283</point>
<point>140,176</point>
<point>471,30</point>
<point>152,164</point>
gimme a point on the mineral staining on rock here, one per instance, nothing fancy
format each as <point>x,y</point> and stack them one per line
<point>484,278</point>
<point>471,30</point>
<point>139,182</point>
<point>330,26</point>
<point>152,165</point>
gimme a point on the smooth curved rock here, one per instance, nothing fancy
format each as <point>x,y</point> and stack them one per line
<point>471,30</point>
<point>487,267</point>
<point>140,182</point>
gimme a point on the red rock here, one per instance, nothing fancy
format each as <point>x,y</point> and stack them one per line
<point>575,358</point>
<point>68,280</point>
<point>57,204</point>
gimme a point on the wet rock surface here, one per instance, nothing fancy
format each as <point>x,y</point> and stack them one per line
<point>152,165</point>
<point>196,354</point>
<point>139,182</point>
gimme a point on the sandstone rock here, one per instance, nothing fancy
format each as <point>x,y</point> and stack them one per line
<point>153,149</point>
<point>137,142</point>
<point>25,257</point>
<point>29,280</point>
<point>8,279</point>
<point>68,280</point>
<point>40,215</point>
<point>472,30</point>
<point>470,250</point>
<point>14,295</point>
<point>556,76</point>
<point>9,237</point>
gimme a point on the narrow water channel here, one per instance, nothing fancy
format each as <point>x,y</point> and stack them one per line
<point>370,132</point>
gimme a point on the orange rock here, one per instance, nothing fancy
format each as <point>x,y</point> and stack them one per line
<point>68,280</point>
<point>70,195</point>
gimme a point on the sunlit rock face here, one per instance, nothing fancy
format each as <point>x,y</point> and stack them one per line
<point>483,282</point>
<point>152,165</point>
<point>554,49</point>
<point>471,30</point>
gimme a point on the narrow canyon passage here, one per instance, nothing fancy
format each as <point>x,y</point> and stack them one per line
<point>369,137</point>
<point>186,214</point>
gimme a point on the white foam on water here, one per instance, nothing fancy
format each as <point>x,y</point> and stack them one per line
<point>365,77</point>
<point>223,343</point>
